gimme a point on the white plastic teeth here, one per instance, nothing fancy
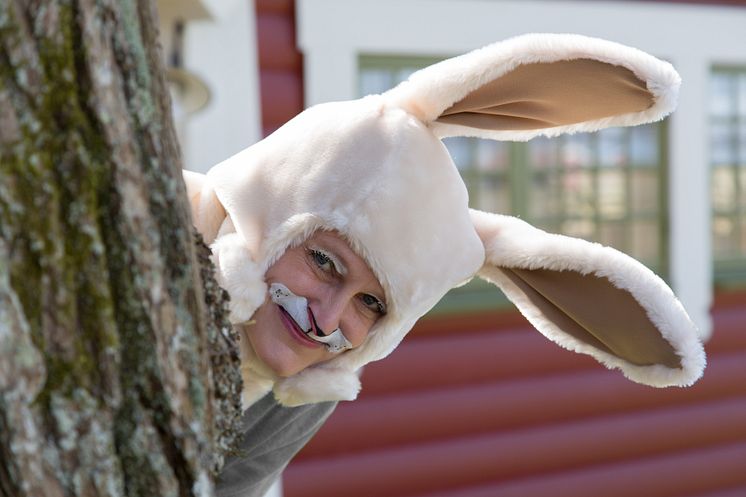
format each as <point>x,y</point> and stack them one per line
<point>297,307</point>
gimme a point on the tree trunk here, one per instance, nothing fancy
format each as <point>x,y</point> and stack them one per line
<point>118,369</point>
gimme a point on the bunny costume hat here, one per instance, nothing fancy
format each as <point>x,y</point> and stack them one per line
<point>375,170</point>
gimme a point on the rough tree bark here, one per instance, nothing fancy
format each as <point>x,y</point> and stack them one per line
<point>118,370</point>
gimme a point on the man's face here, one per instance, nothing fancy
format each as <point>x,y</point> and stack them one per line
<point>341,291</point>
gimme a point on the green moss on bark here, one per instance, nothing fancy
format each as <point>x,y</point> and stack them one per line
<point>112,299</point>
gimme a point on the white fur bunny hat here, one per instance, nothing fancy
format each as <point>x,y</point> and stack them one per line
<point>376,171</point>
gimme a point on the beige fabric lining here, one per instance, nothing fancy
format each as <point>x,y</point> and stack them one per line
<point>545,95</point>
<point>594,311</point>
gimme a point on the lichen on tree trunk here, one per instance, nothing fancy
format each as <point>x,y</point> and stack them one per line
<point>118,369</point>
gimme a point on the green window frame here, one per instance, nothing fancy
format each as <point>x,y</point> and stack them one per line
<point>609,186</point>
<point>727,119</point>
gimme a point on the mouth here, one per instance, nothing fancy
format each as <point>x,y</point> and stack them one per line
<point>295,331</point>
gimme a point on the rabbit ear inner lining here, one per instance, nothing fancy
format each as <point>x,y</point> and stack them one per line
<point>591,309</point>
<point>548,94</point>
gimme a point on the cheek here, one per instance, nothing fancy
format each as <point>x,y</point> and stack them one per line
<point>358,330</point>
<point>275,348</point>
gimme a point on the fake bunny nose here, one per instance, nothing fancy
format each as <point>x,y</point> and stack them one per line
<point>297,307</point>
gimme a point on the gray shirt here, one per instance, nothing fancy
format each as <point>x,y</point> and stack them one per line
<point>272,435</point>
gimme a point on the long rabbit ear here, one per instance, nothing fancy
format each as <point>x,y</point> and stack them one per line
<point>592,299</point>
<point>540,84</point>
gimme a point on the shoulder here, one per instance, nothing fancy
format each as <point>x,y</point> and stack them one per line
<point>272,435</point>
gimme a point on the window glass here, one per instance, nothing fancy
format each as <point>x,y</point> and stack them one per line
<point>492,194</point>
<point>725,237</point>
<point>645,240</point>
<point>545,197</point>
<point>612,195</point>
<point>741,106</point>
<point>542,153</point>
<point>644,191</point>
<point>723,189</point>
<point>721,94</point>
<point>461,151</point>
<point>576,151</point>
<point>722,151</point>
<point>643,145</point>
<point>728,174</point>
<point>612,147</point>
<point>374,80</point>
<point>491,155</point>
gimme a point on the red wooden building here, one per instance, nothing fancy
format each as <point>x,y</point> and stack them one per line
<point>480,405</point>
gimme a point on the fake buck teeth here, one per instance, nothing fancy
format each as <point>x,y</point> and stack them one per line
<point>297,307</point>
<point>294,305</point>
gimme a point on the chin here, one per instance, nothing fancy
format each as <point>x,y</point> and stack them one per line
<point>282,360</point>
<point>283,369</point>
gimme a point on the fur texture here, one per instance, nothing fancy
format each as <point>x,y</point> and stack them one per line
<point>258,379</point>
<point>239,276</point>
<point>430,91</point>
<point>274,208</point>
<point>207,211</point>
<point>512,243</point>
<point>375,171</point>
<point>318,384</point>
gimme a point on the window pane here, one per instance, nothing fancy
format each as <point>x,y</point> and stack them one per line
<point>644,192</point>
<point>721,94</point>
<point>724,229</point>
<point>581,228</point>
<point>404,73</point>
<point>643,146</point>
<point>542,153</point>
<point>721,144</point>
<point>645,243</point>
<point>611,145</point>
<point>742,94</point>
<point>612,194</point>
<point>544,200</point>
<point>723,189</point>
<point>493,195</point>
<point>613,234</point>
<point>491,155</point>
<point>375,81</point>
<point>461,151</point>
<point>578,193</point>
<point>728,163</point>
<point>576,151</point>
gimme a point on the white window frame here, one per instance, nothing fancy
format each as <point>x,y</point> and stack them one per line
<point>333,33</point>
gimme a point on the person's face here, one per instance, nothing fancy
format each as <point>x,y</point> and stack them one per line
<point>341,290</point>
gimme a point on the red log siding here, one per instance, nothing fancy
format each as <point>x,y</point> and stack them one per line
<point>734,3</point>
<point>280,63</point>
<point>496,410</point>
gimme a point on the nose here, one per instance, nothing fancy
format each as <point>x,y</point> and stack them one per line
<point>328,312</point>
<point>335,310</point>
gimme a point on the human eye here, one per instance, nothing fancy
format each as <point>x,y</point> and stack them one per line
<point>374,304</point>
<point>322,260</point>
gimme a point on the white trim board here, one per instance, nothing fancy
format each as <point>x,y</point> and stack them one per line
<point>223,51</point>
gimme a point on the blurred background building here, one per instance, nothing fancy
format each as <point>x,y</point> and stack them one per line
<point>476,403</point>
